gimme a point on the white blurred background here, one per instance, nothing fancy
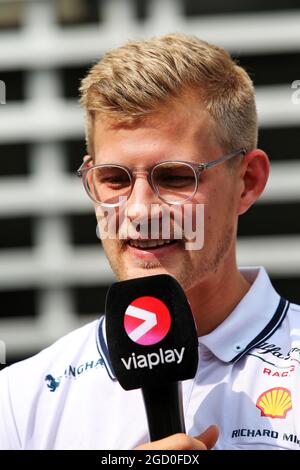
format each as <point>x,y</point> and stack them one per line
<point>53,274</point>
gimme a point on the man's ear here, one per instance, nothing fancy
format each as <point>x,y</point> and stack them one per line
<point>254,174</point>
<point>86,157</point>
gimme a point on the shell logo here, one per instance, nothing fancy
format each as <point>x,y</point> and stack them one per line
<point>275,403</point>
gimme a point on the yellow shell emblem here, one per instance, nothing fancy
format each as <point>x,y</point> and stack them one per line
<point>275,403</point>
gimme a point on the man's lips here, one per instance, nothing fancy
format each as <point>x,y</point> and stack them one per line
<point>157,251</point>
<point>149,243</point>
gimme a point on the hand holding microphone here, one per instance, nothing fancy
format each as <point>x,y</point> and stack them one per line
<point>153,345</point>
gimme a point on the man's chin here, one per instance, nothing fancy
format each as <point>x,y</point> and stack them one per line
<point>141,271</point>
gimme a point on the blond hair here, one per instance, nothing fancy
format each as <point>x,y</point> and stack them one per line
<point>135,80</point>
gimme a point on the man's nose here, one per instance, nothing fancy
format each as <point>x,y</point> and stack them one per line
<point>140,200</point>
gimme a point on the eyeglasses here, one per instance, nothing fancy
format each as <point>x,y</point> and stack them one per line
<point>174,182</point>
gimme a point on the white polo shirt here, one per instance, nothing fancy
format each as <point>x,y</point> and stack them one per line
<point>247,383</point>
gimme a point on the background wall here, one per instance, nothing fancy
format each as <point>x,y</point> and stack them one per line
<point>53,274</point>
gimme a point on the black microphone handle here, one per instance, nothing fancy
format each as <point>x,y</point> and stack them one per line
<point>164,410</point>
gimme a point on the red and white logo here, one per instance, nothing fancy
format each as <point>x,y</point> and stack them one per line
<point>147,320</point>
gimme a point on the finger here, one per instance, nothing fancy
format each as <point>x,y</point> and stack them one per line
<point>209,437</point>
<point>175,442</point>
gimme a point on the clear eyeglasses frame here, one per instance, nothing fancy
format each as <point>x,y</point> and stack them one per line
<point>173,181</point>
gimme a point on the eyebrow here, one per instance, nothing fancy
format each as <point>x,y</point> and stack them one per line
<point>179,158</point>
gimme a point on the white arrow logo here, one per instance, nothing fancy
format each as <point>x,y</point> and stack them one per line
<point>150,320</point>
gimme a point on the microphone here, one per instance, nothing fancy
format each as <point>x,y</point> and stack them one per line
<point>153,345</point>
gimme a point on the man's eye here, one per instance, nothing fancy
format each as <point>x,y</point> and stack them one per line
<point>114,181</point>
<point>176,180</point>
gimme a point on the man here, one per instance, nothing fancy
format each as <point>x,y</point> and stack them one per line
<point>156,111</point>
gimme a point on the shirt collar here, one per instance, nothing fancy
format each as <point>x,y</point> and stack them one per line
<point>255,318</point>
<point>101,343</point>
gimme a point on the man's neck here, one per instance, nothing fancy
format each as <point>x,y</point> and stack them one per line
<point>215,298</point>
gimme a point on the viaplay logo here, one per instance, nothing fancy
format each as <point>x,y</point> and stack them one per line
<point>147,320</point>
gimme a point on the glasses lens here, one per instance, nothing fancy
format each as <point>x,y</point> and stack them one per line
<point>174,182</point>
<point>107,184</point>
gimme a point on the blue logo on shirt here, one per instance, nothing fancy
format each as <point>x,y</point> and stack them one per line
<point>52,383</point>
<point>72,372</point>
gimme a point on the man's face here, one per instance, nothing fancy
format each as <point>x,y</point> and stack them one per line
<point>181,132</point>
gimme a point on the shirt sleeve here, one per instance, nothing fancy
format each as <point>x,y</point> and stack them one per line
<point>9,438</point>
